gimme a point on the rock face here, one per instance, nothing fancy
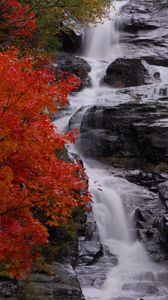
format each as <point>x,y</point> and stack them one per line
<point>61,284</point>
<point>152,229</point>
<point>136,131</point>
<point>8,289</point>
<point>125,72</point>
<point>163,191</point>
<point>144,31</point>
<point>150,211</point>
<point>93,259</point>
<point>71,40</point>
<point>90,248</point>
<point>74,65</point>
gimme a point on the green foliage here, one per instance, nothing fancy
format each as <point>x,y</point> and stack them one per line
<point>63,243</point>
<point>42,267</point>
<point>53,16</point>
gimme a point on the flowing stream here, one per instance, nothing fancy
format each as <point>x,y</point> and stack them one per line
<point>134,277</point>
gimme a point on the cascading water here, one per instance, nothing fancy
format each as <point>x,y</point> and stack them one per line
<point>104,37</point>
<point>135,275</point>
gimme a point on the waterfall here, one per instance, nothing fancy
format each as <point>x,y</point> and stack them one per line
<point>108,209</point>
<point>132,276</point>
<point>102,41</point>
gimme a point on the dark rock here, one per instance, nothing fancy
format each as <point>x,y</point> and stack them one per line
<point>161,224</point>
<point>144,179</point>
<point>97,256</point>
<point>133,131</point>
<point>151,180</point>
<point>90,248</point>
<point>94,260</point>
<point>61,285</point>
<point>8,288</point>
<point>74,65</point>
<point>72,39</point>
<point>163,191</point>
<point>134,24</point>
<point>125,72</point>
<point>152,229</point>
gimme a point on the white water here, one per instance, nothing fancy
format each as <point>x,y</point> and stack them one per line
<point>103,40</point>
<point>116,236</point>
<point>102,47</point>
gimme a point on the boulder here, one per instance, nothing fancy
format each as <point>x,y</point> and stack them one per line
<point>134,131</point>
<point>74,65</point>
<point>71,38</point>
<point>61,284</point>
<point>124,72</point>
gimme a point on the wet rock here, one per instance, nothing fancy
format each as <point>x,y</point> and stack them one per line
<point>145,31</point>
<point>90,248</point>
<point>131,131</point>
<point>143,214</point>
<point>152,229</point>
<point>89,251</point>
<point>125,72</point>
<point>94,261</point>
<point>71,39</point>
<point>163,191</point>
<point>141,287</point>
<point>74,65</point>
<point>147,179</point>
<point>93,275</point>
<point>162,226</point>
<point>134,24</point>
<point>150,215</point>
<point>61,285</point>
<point>8,288</point>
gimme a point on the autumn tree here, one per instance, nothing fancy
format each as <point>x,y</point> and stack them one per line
<point>17,21</point>
<point>37,188</point>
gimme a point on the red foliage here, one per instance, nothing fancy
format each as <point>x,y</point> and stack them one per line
<point>37,187</point>
<point>16,19</point>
